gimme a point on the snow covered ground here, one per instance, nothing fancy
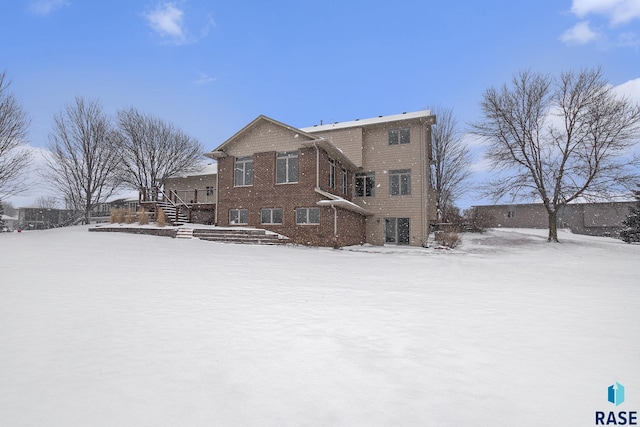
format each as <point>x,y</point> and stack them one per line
<point>111,329</point>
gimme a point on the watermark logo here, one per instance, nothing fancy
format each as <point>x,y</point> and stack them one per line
<point>616,393</point>
<point>615,396</point>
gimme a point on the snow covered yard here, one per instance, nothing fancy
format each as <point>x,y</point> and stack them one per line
<point>109,329</point>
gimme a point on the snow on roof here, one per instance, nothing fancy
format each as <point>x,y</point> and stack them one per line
<point>371,121</point>
<point>208,169</point>
<point>334,200</point>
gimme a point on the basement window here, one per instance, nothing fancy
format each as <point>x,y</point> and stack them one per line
<point>307,216</point>
<point>271,216</point>
<point>238,216</point>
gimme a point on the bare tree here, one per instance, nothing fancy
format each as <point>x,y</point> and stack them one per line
<point>9,209</point>
<point>84,156</point>
<point>558,140</point>
<point>451,165</point>
<point>14,157</point>
<point>46,202</point>
<point>153,150</point>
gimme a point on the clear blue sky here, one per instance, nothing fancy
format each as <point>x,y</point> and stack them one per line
<point>211,67</point>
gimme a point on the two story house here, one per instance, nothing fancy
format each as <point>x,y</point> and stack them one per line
<point>363,181</point>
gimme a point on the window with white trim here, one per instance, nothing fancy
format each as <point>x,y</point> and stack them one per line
<point>365,184</point>
<point>400,182</point>
<point>305,216</point>
<point>271,216</point>
<point>399,136</point>
<point>345,183</point>
<point>238,216</point>
<point>287,167</point>
<point>243,171</point>
<point>332,173</point>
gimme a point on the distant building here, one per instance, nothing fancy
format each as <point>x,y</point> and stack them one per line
<point>43,218</point>
<point>596,219</point>
<point>195,192</point>
<point>9,222</point>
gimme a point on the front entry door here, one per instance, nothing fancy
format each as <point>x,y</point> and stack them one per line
<point>396,231</point>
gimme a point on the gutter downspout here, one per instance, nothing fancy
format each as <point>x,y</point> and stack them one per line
<point>335,211</point>
<point>215,212</point>
<point>335,221</point>
<point>425,182</point>
<point>317,165</point>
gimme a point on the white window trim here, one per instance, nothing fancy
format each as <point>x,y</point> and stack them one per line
<point>244,160</point>
<point>271,216</point>
<point>288,155</point>
<point>365,175</point>
<point>308,210</point>
<point>399,173</point>
<point>239,217</point>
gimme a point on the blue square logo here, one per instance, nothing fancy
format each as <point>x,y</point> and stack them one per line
<point>616,393</point>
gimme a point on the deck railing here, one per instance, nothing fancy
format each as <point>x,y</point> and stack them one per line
<point>193,196</point>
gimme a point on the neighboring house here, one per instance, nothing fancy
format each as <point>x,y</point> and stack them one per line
<point>43,218</point>
<point>338,184</point>
<point>596,219</point>
<point>9,222</point>
<point>102,211</point>
<point>196,191</point>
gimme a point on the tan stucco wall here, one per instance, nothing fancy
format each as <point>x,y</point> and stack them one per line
<point>265,137</point>
<point>380,157</point>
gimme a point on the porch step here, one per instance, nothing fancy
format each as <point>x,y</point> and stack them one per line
<point>248,236</point>
<point>184,233</point>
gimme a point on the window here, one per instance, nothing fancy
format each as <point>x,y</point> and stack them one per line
<point>210,191</point>
<point>238,216</point>
<point>400,182</point>
<point>332,173</point>
<point>365,184</point>
<point>399,136</point>
<point>344,181</point>
<point>396,230</point>
<point>511,213</point>
<point>308,216</point>
<point>271,216</point>
<point>287,167</point>
<point>243,171</point>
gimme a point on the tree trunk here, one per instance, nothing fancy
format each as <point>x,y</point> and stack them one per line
<point>553,225</point>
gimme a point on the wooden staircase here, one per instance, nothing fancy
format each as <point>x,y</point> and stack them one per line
<point>239,235</point>
<point>173,213</point>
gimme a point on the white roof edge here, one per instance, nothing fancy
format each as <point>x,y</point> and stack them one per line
<point>340,202</point>
<point>370,121</point>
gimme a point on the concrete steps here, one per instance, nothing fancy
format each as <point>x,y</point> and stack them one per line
<point>239,235</point>
<point>184,233</point>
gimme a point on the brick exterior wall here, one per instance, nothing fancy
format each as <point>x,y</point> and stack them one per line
<point>366,146</point>
<point>265,193</point>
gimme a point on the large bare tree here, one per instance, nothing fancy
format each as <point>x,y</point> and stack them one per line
<point>153,150</point>
<point>14,157</point>
<point>84,156</point>
<point>451,166</point>
<point>559,139</point>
